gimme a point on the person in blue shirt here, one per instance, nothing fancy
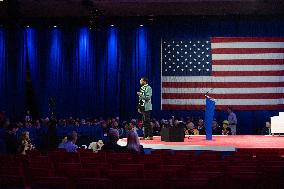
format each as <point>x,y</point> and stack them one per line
<point>70,144</point>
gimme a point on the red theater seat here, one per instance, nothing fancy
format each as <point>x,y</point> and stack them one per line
<point>50,183</point>
<point>121,174</point>
<point>11,181</point>
<point>138,184</point>
<point>41,172</point>
<point>93,183</point>
<point>195,183</point>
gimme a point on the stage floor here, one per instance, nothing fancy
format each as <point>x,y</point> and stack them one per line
<point>219,143</point>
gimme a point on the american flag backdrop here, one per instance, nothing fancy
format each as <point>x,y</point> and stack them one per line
<point>245,73</point>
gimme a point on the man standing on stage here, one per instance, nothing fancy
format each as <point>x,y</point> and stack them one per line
<point>145,107</point>
<point>232,118</point>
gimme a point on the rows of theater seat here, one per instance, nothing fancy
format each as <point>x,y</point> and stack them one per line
<point>247,168</point>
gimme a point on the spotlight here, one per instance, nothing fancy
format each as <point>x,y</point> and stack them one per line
<point>111,25</point>
<point>141,25</point>
<point>28,26</point>
<point>55,26</point>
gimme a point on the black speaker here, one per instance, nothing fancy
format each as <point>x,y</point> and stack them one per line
<point>173,134</point>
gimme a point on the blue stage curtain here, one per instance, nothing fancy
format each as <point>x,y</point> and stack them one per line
<point>3,69</point>
<point>112,73</point>
<point>32,64</point>
<point>84,73</point>
<point>53,71</point>
<point>18,93</point>
<point>93,73</point>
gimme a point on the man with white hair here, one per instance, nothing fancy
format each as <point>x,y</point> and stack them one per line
<point>111,145</point>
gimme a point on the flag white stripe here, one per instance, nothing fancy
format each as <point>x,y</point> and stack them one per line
<point>252,79</point>
<point>247,67</point>
<point>224,90</point>
<point>248,45</point>
<point>224,101</point>
<point>247,56</point>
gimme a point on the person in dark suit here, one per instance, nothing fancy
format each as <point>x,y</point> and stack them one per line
<point>200,127</point>
<point>111,145</point>
<point>216,129</point>
<point>145,107</point>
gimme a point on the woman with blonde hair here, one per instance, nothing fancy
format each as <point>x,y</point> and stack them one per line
<point>25,143</point>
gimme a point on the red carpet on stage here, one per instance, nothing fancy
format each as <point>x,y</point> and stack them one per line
<point>237,141</point>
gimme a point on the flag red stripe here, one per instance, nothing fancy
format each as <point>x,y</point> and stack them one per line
<point>223,96</point>
<point>246,39</point>
<point>247,50</point>
<point>223,107</point>
<point>249,62</point>
<point>248,73</point>
<point>221,84</point>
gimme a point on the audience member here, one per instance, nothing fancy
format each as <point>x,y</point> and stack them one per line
<point>232,119</point>
<point>156,127</point>
<point>10,139</point>
<point>25,144</point>
<point>111,145</point>
<point>226,129</point>
<point>70,145</point>
<point>28,119</point>
<point>266,130</point>
<point>190,129</point>
<point>200,127</point>
<point>105,128</point>
<point>216,129</point>
<point>37,124</point>
<point>62,143</point>
<point>133,144</point>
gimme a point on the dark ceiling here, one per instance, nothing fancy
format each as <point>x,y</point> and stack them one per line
<point>112,8</point>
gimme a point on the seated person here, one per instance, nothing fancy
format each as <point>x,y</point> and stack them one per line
<point>266,130</point>
<point>70,144</point>
<point>226,129</point>
<point>63,142</point>
<point>25,144</point>
<point>190,129</point>
<point>200,127</point>
<point>216,129</point>
<point>156,127</point>
<point>133,143</point>
<point>111,145</point>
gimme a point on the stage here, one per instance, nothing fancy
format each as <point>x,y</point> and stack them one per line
<point>219,142</point>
